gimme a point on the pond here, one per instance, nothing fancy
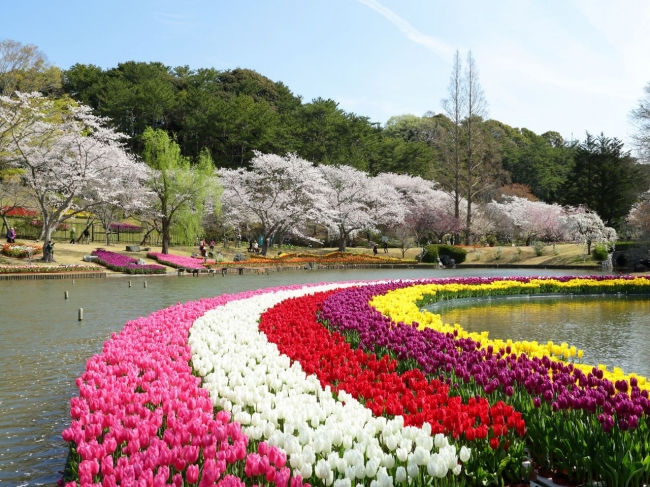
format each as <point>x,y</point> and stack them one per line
<point>44,347</point>
<point>612,330</point>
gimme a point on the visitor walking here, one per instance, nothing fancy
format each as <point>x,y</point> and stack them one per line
<point>86,236</point>
<point>374,249</point>
<point>385,247</point>
<point>11,235</point>
<point>73,234</point>
<point>212,244</point>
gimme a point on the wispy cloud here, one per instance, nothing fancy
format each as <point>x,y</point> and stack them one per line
<point>179,20</point>
<point>431,43</point>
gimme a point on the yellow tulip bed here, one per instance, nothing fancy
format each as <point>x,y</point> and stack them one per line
<point>404,305</point>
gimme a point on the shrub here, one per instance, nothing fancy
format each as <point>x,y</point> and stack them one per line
<point>498,253</point>
<point>539,248</point>
<point>431,254</point>
<point>435,251</point>
<point>599,252</point>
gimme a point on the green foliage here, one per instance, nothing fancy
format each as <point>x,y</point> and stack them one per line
<point>605,178</point>
<point>539,248</point>
<point>599,252</point>
<point>540,162</point>
<point>180,187</point>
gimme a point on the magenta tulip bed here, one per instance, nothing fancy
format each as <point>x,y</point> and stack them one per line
<point>180,261</point>
<point>126,264</point>
<point>312,385</point>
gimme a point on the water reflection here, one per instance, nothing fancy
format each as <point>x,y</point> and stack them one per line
<point>44,348</point>
<point>612,330</point>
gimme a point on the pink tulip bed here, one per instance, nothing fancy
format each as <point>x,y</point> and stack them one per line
<point>311,385</point>
<point>180,261</point>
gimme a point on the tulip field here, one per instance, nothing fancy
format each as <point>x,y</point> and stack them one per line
<point>350,384</point>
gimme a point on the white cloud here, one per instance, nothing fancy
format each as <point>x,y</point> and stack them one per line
<point>431,43</point>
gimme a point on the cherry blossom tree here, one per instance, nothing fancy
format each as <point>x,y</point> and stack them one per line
<point>357,201</point>
<point>585,227</point>
<point>278,193</point>
<point>529,220</point>
<point>639,216</point>
<point>428,211</point>
<point>121,193</point>
<point>65,155</point>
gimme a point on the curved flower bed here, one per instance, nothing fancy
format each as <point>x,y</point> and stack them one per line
<point>343,258</point>
<point>578,422</point>
<point>178,261</point>
<point>33,269</point>
<point>126,264</point>
<point>313,384</point>
<point>20,251</point>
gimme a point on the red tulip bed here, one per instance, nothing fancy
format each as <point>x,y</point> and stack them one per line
<point>312,385</point>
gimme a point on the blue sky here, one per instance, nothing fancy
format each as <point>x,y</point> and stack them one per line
<point>569,66</point>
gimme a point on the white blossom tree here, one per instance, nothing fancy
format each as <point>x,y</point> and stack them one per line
<point>279,193</point>
<point>65,155</point>
<point>585,228</point>
<point>357,201</point>
<point>122,192</point>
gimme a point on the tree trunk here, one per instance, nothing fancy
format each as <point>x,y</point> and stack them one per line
<point>165,236</point>
<point>342,242</point>
<point>46,232</point>
<point>265,245</point>
<point>146,236</point>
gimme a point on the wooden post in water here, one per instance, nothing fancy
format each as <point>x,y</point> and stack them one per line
<point>145,284</point>
<point>66,294</point>
<point>81,314</point>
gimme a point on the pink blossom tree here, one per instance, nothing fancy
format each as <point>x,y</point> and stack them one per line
<point>357,201</point>
<point>279,193</point>
<point>65,155</point>
<point>639,216</point>
<point>529,220</point>
<point>428,211</point>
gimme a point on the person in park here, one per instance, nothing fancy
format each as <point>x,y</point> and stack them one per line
<point>202,248</point>
<point>49,251</point>
<point>385,247</point>
<point>212,244</point>
<point>73,234</point>
<point>374,249</point>
<point>11,235</point>
<point>86,236</point>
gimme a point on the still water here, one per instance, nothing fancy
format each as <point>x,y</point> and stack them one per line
<point>44,348</point>
<point>612,330</point>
